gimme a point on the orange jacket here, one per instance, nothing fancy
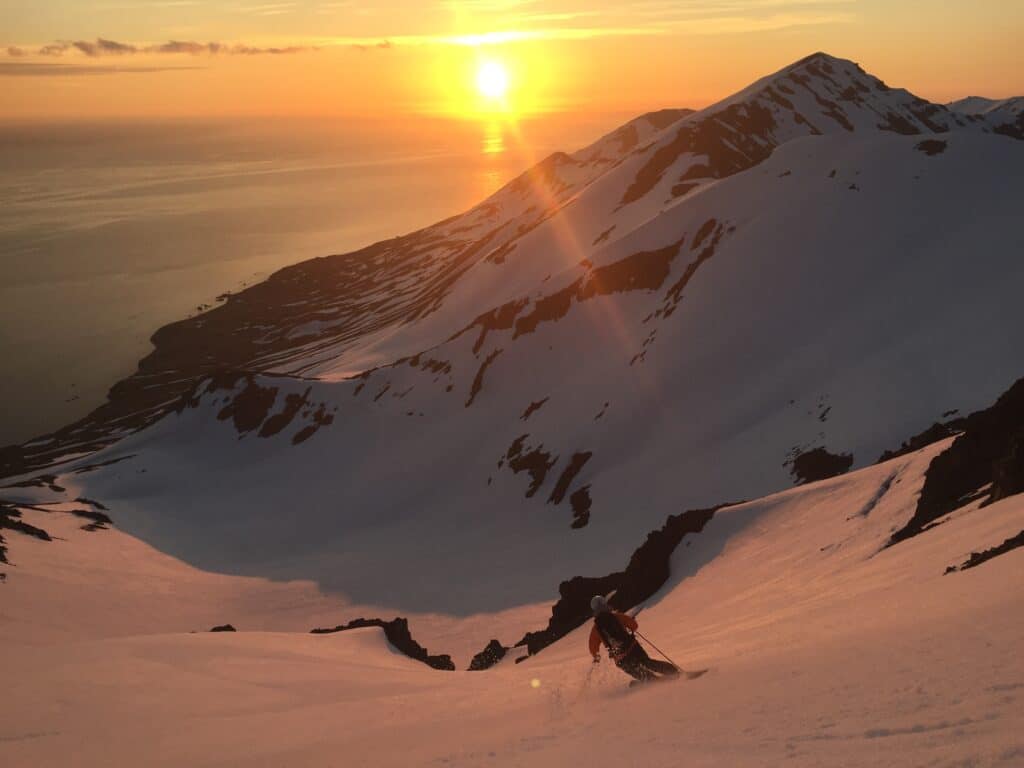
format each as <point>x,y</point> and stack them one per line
<point>628,622</point>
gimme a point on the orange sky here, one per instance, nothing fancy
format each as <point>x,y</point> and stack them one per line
<point>402,57</point>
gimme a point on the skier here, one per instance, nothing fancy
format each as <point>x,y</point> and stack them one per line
<point>616,631</point>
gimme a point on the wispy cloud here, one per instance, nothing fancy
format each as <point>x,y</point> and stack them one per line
<point>505,22</point>
<point>104,47</point>
<point>383,45</point>
<point>49,69</point>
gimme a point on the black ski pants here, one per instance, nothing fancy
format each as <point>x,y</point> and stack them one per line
<point>638,664</point>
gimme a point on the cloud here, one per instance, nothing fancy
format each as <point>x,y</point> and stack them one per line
<point>383,45</point>
<point>104,47</point>
<point>246,50</point>
<point>514,21</point>
<point>54,49</point>
<point>186,46</point>
<point>48,69</point>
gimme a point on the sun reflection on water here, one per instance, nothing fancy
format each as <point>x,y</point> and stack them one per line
<point>493,142</point>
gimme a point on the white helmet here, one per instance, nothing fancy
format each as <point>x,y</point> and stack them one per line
<point>598,604</point>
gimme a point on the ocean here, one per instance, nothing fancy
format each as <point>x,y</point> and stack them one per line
<point>110,230</point>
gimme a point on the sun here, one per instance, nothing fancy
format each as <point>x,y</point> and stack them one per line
<point>492,80</point>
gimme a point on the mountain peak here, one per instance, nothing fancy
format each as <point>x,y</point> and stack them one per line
<point>818,94</point>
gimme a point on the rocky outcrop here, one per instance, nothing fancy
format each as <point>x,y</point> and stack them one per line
<point>397,633</point>
<point>224,628</point>
<point>934,433</point>
<point>647,571</point>
<point>10,519</point>
<point>488,657</point>
<point>818,464</point>
<point>977,558</point>
<point>98,521</point>
<point>986,461</point>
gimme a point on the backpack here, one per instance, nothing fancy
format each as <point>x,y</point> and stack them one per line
<point>616,637</point>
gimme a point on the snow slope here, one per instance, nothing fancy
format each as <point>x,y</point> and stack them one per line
<point>824,649</point>
<point>455,420</point>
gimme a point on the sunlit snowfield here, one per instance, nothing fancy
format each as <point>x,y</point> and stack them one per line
<point>108,231</point>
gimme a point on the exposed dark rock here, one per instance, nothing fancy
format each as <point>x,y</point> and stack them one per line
<point>96,504</point>
<point>320,419</point>
<point>580,502</point>
<point>397,633</point>
<point>1013,129</point>
<point>732,140</point>
<point>99,520</point>
<point>647,571</point>
<point>604,235</point>
<point>293,403</point>
<point>536,462</point>
<point>432,365</point>
<point>931,147</point>
<point>977,558</point>
<point>936,432</point>
<point>497,256</point>
<point>499,319</point>
<point>674,294</point>
<point>478,380</point>
<point>10,519</point>
<point>683,187</point>
<point>628,137</point>
<point>989,452</point>
<point>818,464</point>
<point>898,124</point>
<point>249,408</point>
<point>576,462</point>
<point>488,657</point>
<point>93,515</point>
<point>532,407</point>
<point>224,628</point>
<point>705,229</point>
<point>646,270</point>
<point>40,481</point>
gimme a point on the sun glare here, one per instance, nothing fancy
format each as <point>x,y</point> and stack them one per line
<point>492,80</point>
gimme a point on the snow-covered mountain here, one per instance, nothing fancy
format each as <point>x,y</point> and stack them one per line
<point>700,307</point>
<point>1005,116</point>
<point>568,390</point>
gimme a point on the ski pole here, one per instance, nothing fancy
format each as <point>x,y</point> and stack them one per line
<point>640,635</point>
